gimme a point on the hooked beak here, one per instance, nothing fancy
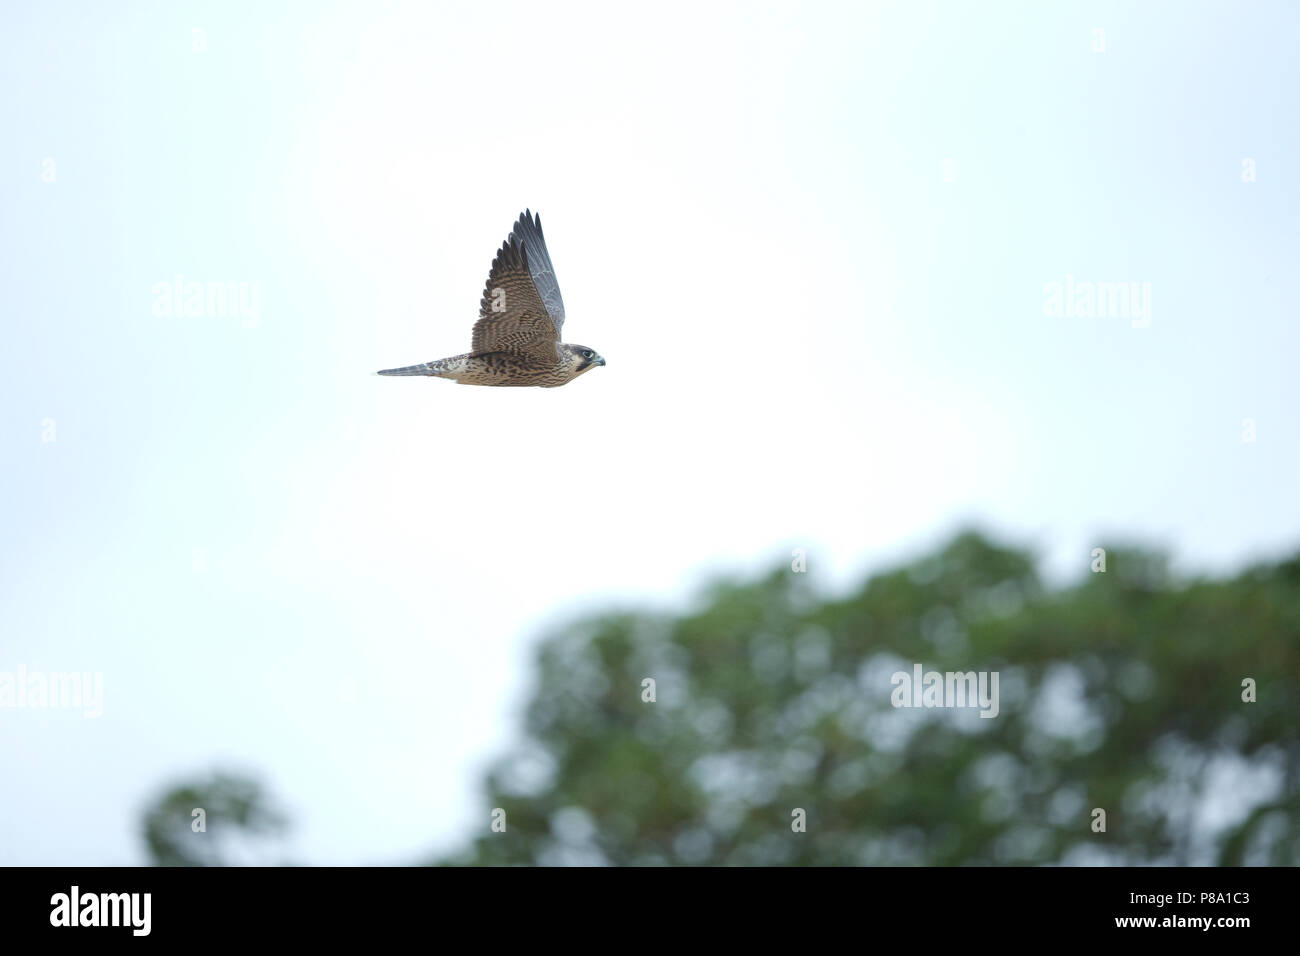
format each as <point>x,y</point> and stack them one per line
<point>600,361</point>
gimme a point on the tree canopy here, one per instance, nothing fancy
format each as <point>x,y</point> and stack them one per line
<point>761,728</point>
<point>1122,692</point>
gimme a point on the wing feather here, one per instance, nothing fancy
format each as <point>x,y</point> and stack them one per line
<point>521,311</point>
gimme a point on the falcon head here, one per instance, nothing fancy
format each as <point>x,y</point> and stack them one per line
<point>581,358</point>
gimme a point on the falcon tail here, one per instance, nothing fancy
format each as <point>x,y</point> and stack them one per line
<point>438,368</point>
<point>424,368</point>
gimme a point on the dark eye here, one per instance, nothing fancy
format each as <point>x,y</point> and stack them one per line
<point>586,353</point>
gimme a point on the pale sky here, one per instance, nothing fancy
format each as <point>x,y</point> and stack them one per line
<point>813,242</point>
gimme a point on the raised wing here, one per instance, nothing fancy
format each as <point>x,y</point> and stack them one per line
<point>521,311</point>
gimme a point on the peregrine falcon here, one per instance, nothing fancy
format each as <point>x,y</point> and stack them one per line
<point>517,335</point>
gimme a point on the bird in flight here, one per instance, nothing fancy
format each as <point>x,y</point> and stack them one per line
<point>517,335</point>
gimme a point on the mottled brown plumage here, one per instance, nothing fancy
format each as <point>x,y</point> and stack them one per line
<point>517,336</point>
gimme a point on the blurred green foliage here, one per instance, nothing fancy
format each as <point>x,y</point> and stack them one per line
<point>239,824</point>
<point>1121,692</point>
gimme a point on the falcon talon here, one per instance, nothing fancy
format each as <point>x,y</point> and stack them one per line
<point>517,336</point>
